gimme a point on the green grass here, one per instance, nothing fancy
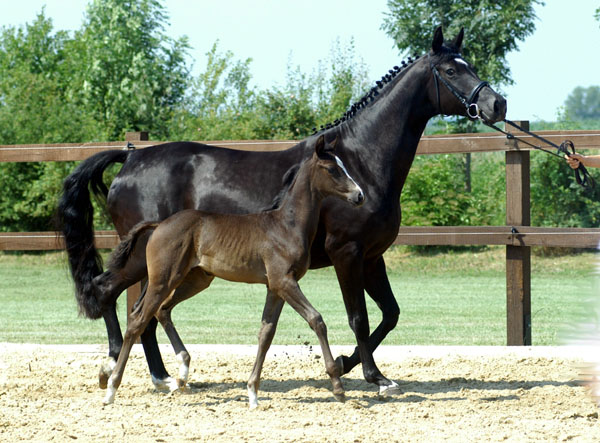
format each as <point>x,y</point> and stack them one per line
<point>456,298</point>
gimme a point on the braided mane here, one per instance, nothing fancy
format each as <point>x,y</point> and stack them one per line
<point>370,96</point>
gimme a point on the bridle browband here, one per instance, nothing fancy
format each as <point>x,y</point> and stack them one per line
<point>468,102</point>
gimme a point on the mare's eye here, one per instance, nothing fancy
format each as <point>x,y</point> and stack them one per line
<point>450,72</point>
<point>332,170</point>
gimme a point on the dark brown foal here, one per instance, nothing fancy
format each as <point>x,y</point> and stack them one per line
<point>271,247</point>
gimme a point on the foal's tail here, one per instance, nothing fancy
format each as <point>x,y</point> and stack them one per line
<point>120,256</point>
<point>75,219</point>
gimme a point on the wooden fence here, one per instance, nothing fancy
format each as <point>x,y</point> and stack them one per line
<point>517,235</point>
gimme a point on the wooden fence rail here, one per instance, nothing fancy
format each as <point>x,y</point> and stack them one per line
<point>517,235</point>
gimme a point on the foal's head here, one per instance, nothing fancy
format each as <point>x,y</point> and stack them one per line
<point>329,175</point>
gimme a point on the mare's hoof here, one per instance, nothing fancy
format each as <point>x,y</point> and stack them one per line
<point>106,371</point>
<point>389,390</point>
<point>103,379</point>
<point>168,384</point>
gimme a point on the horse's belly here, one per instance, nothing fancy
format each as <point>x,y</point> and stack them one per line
<point>249,270</point>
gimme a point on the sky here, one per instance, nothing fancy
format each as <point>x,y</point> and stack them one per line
<point>561,54</point>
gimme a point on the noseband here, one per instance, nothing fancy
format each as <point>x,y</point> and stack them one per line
<point>468,102</point>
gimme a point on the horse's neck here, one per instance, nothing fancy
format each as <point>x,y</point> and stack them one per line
<point>383,138</point>
<point>300,207</point>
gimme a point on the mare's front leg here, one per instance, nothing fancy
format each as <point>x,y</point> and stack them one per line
<point>378,287</point>
<point>348,262</point>
<point>270,317</point>
<point>195,281</point>
<point>287,288</point>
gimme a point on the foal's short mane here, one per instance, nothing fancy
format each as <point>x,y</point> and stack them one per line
<point>288,180</point>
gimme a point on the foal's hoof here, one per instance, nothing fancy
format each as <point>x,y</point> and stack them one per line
<point>340,396</point>
<point>389,390</point>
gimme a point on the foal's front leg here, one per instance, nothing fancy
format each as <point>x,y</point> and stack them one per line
<point>270,317</point>
<point>288,289</point>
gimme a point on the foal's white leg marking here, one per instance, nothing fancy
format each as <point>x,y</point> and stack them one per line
<point>252,398</point>
<point>184,369</point>
<point>389,389</point>
<point>109,398</point>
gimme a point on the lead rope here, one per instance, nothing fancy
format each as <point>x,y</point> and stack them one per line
<point>582,176</point>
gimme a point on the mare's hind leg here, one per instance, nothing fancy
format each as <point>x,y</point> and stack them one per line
<point>195,281</point>
<point>270,316</point>
<point>288,289</point>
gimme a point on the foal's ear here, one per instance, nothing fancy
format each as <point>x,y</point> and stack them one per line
<point>457,43</point>
<point>322,149</point>
<point>438,39</point>
<point>320,146</point>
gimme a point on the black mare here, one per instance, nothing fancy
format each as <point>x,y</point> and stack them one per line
<point>379,136</point>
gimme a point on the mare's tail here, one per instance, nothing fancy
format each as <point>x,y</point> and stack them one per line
<point>75,218</point>
<point>120,256</point>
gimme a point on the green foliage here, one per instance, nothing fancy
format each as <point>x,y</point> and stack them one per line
<point>131,74</point>
<point>493,29</point>
<point>557,199</point>
<point>584,103</point>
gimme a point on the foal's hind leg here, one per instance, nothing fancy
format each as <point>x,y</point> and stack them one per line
<point>195,281</point>
<point>289,290</point>
<point>270,316</point>
<point>138,320</point>
<point>108,286</point>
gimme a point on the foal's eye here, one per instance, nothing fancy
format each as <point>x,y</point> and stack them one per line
<point>332,170</point>
<point>450,72</point>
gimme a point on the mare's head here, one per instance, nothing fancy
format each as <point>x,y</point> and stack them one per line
<point>329,175</point>
<point>456,88</point>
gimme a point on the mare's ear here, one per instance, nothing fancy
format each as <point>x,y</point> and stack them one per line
<point>438,39</point>
<point>457,43</point>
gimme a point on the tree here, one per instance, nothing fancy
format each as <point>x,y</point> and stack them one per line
<point>492,29</point>
<point>131,74</point>
<point>36,106</point>
<point>584,103</point>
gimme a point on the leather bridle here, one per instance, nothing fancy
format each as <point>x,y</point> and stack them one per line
<point>471,107</point>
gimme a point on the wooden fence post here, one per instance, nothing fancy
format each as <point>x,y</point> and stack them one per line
<point>518,258</point>
<point>134,292</point>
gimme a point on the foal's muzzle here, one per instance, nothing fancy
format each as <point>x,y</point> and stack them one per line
<point>357,198</point>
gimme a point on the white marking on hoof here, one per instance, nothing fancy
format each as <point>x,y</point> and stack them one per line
<point>168,384</point>
<point>184,368</point>
<point>106,370</point>
<point>252,399</point>
<point>388,390</point>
